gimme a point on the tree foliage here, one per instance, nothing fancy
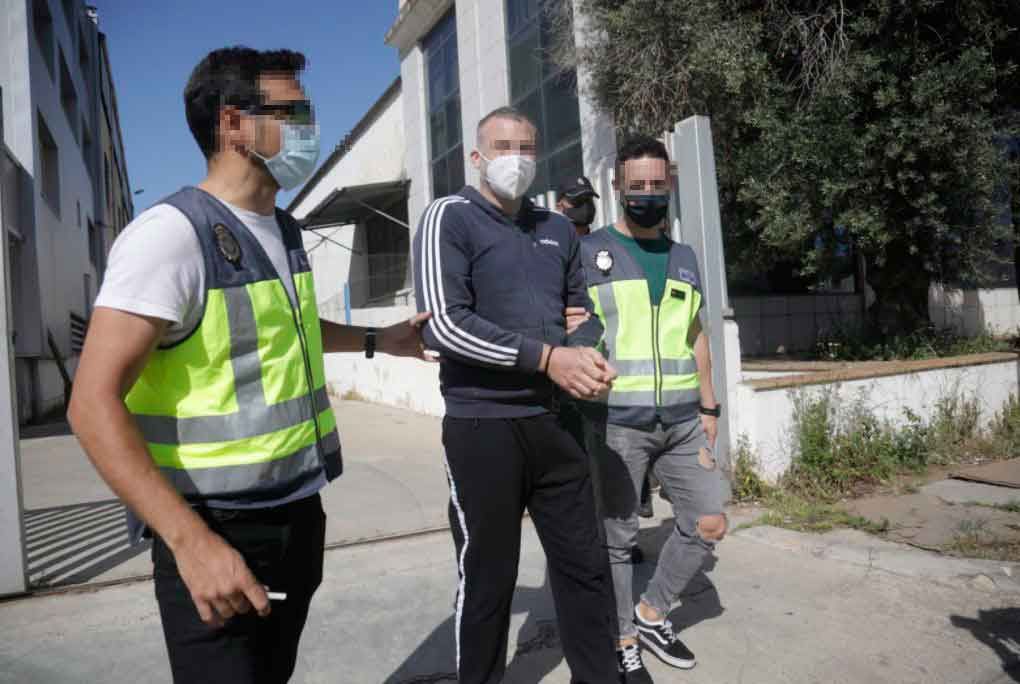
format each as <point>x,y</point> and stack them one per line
<point>881,120</point>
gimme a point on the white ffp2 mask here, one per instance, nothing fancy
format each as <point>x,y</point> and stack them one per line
<point>509,176</point>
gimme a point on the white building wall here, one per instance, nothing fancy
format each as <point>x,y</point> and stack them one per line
<point>55,251</point>
<point>484,75</point>
<point>61,241</point>
<point>413,95</point>
<point>377,156</point>
<point>598,133</point>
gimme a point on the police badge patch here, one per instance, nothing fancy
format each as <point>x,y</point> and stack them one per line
<point>227,243</point>
<point>687,277</point>
<point>604,260</point>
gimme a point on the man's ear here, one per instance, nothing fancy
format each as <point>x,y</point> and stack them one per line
<point>236,131</point>
<point>476,159</point>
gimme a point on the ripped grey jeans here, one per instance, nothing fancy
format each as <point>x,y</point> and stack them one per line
<point>692,481</point>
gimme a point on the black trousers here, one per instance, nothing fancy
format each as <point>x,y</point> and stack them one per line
<point>283,546</point>
<point>497,468</point>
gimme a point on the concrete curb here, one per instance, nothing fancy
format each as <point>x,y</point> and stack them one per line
<point>859,548</point>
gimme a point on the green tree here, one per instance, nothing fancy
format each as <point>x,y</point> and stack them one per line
<point>882,120</point>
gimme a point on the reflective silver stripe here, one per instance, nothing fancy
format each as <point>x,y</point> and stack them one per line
<point>249,478</point>
<point>610,318</point>
<point>678,366</point>
<point>641,398</point>
<point>250,421</point>
<point>629,367</point>
<point>634,366</point>
<point>244,348</point>
<point>647,398</point>
<point>674,397</point>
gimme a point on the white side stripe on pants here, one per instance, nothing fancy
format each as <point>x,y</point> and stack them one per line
<point>462,586</point>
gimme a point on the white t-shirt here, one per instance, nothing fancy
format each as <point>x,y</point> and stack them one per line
<point>156,267</point>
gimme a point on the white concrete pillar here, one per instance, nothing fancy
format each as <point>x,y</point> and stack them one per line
<point>13,574</point>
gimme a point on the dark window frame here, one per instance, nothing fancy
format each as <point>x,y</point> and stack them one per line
<point>542,81</point>
<point>443,106</point>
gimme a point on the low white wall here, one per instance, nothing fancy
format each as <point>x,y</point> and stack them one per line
<point>407,383</point>
<point>765,416</point>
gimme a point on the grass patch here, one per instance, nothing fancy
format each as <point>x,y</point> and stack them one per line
<point>1009,507</point>
<point>841,449</point>
<point>353,395</point>
<point>797,513</point>
<point>748,486</point>
<point>972,540</point>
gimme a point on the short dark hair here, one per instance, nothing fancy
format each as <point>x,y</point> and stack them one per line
<point>640,147</point>
<point>504,113</point>
<point>229,77</point>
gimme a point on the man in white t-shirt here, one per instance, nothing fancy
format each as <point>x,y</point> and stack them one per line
<point>200,397</point>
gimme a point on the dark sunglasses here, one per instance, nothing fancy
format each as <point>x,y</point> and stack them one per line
<point>295,111</point>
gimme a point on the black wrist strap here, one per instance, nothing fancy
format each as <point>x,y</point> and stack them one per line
<point>714,412</point>
<point>370,334</point>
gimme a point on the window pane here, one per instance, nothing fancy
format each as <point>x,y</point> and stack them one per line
<point>437,86</point>
<point>437,130</point>
<point>532,107</point>
<point>566,164</point>
<point>453,123</point>
<point>518,13</point>
<point>440,182</point>
<point>563,119</point>
<point>444,28</point>
<point>541,183</point>
<point>547,39</point>
<point>456,165</point>
<point>450,66</point>
<point>525,64</point>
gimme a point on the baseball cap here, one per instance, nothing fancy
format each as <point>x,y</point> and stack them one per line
<point>576,188</point>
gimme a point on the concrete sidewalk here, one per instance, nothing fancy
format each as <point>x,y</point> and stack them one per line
<point>394,482</point>
<point>775,607</point>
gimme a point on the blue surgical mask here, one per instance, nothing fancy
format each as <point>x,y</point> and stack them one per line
<point>299,151</point>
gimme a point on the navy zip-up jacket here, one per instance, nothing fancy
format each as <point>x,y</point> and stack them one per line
<point>497,288</point>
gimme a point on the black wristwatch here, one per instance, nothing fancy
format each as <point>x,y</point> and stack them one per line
<point>370,342</point>
<point>714,412</point>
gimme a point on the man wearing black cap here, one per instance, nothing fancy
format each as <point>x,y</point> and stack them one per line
<point>576,200</point>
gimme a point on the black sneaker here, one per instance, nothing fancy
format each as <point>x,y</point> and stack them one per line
<point>632,670</point>
<point>659,638</point>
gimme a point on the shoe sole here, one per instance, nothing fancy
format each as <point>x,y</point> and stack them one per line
<point>654,646</point>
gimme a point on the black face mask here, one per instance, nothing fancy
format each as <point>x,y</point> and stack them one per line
<point>583,214</point>
<point>647,211</point>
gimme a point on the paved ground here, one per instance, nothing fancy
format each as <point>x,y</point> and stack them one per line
<point>394,483</point>
<point>942,513</point>
<point>774,607</point>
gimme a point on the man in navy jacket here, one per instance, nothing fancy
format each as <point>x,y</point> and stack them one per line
<point>498,274</point>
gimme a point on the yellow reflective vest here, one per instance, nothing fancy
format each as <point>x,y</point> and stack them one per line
<point>238,409</point>
<point>645,341</point>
